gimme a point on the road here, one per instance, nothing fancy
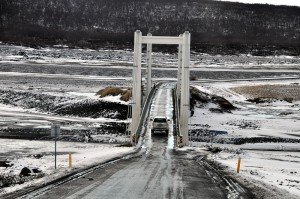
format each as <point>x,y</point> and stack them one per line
<point>161,173</point>
<point>158,171</point>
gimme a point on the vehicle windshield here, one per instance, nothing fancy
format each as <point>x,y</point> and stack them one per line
<point>160,120</point>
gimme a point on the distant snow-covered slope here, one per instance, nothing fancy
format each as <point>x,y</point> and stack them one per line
<point>271,2</point>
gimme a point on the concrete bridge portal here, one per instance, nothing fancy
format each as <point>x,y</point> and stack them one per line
<point>182,88</point>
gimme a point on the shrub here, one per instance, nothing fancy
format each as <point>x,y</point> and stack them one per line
<point>126,96</point>
<point>114,91</point>
<point>110,91</point>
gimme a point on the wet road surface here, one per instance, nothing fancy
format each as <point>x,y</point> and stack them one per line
<point>160,173</point>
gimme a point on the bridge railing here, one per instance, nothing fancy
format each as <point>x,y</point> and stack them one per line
<point>176,114</point>
<point>142,127</point>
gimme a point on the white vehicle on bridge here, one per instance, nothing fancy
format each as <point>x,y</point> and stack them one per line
<point>160,123</point>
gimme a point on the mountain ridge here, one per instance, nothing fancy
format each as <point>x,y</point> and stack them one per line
<point>96,22</point>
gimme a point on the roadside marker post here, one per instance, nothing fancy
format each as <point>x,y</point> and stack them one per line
<point>70,160</point>
<point>238,165</point>
<point>55,131</point>
<point>180,141</point>
<point>55,154</point>
<point>133,140</point>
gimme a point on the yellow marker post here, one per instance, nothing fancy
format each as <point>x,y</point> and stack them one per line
<point>133,140</point>
<point>238,165</point>
<point>70,160</point>
<point>180,144</point>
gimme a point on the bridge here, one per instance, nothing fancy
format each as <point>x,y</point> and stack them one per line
<point>140,105</point>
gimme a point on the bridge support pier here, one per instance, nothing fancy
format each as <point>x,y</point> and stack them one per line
<point>137,84</point>
<point>185,90</point>
<point>179,71</point>
<point>149,65</point>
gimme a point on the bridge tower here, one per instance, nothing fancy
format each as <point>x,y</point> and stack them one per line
<point>183,91</point>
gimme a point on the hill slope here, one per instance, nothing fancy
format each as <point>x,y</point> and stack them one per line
<point>210,22</point>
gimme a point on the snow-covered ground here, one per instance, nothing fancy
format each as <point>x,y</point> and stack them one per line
<point>40,154</point>
<point>275,119</point>
<point>102,58</point>
<point>38,109</point>
<point>267,135</point>
<point>274,164</point>
<point>58,75</point>
<point>271,2</point>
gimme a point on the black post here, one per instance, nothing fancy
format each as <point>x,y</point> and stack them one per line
<point>55,131</point>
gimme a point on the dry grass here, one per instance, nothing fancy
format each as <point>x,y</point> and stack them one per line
<point>110,91</point>
<point>126,95</point>
<point>282,92</point>
<point>115,91</point>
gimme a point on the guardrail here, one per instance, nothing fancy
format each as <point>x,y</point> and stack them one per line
<point>176,129</point>
<point>141,130</point>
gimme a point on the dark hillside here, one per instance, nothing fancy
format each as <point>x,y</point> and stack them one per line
<point>219,26</point>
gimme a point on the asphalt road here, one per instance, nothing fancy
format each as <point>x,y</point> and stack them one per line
<point>157,173</point>
<point>160,173</point>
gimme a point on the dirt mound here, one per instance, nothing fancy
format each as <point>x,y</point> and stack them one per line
<point>199,98</point>
<point>199,95</point>
<point>222,102</point>
<point>64,105</point>
<point>94,109</point>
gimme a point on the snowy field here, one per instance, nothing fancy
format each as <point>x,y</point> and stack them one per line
<point>273,164</point>
<point>266,135</point>
<point>42,86</point>
<point>57,84</point>
<point>40,154</point>
<point>273,118</point>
